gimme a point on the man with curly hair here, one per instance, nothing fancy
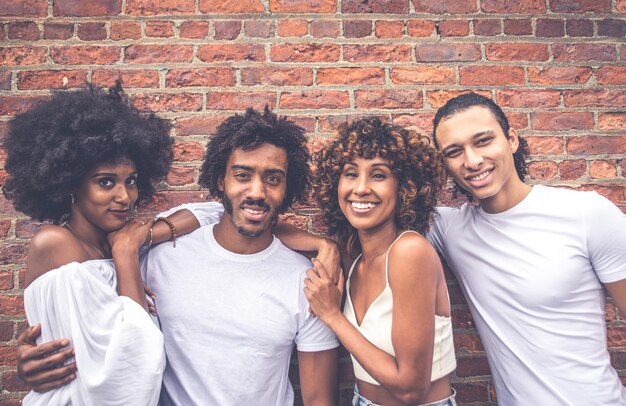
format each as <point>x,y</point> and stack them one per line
<point>235,309</point>
<point>532,263</point>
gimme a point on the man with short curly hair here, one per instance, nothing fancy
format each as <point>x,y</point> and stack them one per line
<point>532,263</point>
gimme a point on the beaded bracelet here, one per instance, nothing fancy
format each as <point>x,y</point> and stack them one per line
<point>170,225</point>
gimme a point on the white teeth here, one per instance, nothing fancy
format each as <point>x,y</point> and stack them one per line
<point>480,177</point>
<point>362,205</point>
<point>255,212</point>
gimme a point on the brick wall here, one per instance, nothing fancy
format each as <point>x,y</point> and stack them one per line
<point>556,67</point>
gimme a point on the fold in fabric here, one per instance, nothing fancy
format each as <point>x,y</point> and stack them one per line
<point>118,347</point>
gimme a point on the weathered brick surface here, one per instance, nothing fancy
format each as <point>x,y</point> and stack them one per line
<point>556,67</point>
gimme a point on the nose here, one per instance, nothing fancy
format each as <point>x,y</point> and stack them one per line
<point>362,186</point>
<point>256,190</point>
<point>473,159</point>
<point>122,195</point>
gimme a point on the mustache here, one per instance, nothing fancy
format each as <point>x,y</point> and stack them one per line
<point>259,203</point>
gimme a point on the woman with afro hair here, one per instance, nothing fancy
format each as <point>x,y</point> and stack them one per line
<point>377,187</point>
<point>80,162</point>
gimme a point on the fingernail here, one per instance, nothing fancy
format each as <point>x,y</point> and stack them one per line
<point>65,342</point>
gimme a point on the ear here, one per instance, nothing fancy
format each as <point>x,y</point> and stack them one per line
<point>513,139</point>
<point>220,185</point>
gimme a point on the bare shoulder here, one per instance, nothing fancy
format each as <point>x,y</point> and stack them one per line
<point>412,256</point>
<point>50,248</point>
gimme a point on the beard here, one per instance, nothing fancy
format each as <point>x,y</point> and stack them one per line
<point>228,207</point>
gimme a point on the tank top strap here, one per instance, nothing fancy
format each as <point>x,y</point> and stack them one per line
<point>353,265</point>
<point>389,249</point>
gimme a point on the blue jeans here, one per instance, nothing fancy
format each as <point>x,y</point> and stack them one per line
<point>359,400</point>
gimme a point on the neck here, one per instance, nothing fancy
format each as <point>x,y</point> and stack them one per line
<point>377,242</point>
<point>511,194</point>
<point>231,239</point>
<point>90,236</point>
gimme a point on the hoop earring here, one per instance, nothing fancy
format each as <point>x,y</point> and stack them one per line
<point>72,198</point>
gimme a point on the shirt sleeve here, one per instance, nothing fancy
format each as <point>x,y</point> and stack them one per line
<point>606,238</point>
<point>437,231</point>
<point>206,212</point>
<point>118,349</point>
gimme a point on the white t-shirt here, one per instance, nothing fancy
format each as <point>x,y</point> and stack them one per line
<point>231,321</point>
<point>532,277</point>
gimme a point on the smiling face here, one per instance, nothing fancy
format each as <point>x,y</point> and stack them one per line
<point>368,193</point>
<point>254,188</point>
<point>479,156</point>
<point>106,196</point>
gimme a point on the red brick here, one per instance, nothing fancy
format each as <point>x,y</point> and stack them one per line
<point>521,98</point>
<point>180,176</point>
<point>12,105</point>
<point>194,29</point>
<point>593,145</point>
<point>377,53</point>
<point>292,28</point>
<point>27,228</point>
<point>444,7</point>
<point>549,28</point>
<point>453,28</point>
<point>5,81</point>
<point>188,151</point>
<point>545,145</point>
<point>542,170</point>
<point>580,6</point>
<point>19,56</point>
<point>12,305</point>
<point>572,169</point>
<point>6,328</point>
<point>594,98</point>
<point>491,75</point>
<point>168,101</point>
<point>617,336</point>
<point>21,8</point>
<point>310,52</point>
<point>325,28</point>
<point>51,79</point>
<point>200,77</point>
<point>486,26</point>
<point>231,52</point>
<point>85,55</point>
<point>277,76</point>
<point>12,382</point>
<point>198,125</point>
<point>86,8</point>
<point>579,28</point>
<point>467,342</point>
<point>7,358</point>
<point>468,392</point>
<point>92,31</point>
<point>513,6</point>
<point>121,30</point>
<point>518,26</point>
<point>437,98</point>
<point>5,225</point>
<point>57,30</point>
<point>330,124</point>
<point>612,121</point>
<point>240,100</point>
<point>158,53</point>
<point>472,366</point>
<point>623,167</point>
<point>559,75</point>
<point>160,7</point>
<point>420,75</point>
<point>6,283</point>
<point>420,28</point>
<point>26,30</point>
<point>612,27</point>
<point>389,29</point>
<point>159,29</point>
<point>602,169</point>
<point>550,121</point>
<point>298,6</point>
<point>306,122</point>
<point>258,28</point>
<point>583,52</point>
<point>447,52</point>
<point>621,6</point>
<point>227,29</point>
<point>351,76</point>
<point>462,318</point>
<point>517,52</point>
<point>611,75</point>
<point>316,99</point>
<point>357,28</point>
<point>129,78</point>
<point>388,99</point>
<point>375,6</point>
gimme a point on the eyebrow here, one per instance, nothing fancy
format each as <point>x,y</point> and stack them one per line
<point>251,169</point>
<point>477,135</point>
<point>110,174</point>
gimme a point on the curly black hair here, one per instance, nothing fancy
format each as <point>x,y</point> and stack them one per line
<point>462,103</point>
<point>414,161</point>
<point>51,148</point>
<point>249,131</point>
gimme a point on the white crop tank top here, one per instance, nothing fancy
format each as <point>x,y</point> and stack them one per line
<point>376,328</point>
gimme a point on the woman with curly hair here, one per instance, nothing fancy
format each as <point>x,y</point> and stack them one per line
<point>377,186</point>
<point>81,161</point>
